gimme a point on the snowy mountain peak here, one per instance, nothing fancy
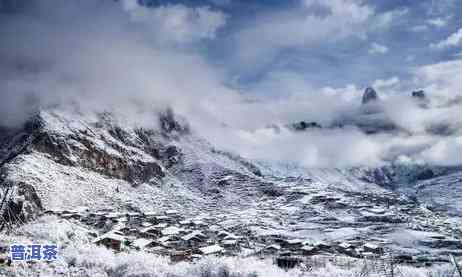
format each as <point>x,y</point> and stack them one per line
<point>370,95</point>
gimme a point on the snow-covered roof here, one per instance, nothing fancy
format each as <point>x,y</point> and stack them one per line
<point>148,229</point>
<point>294,241</point>
<point>371,246</point>
<point>307,248</point>
<point>150,213</point>
<point>118,232</point>
<point>146,224</point>
<point>345,245</point>
<point>223,234</point>
<point>141,243</point>
<point>232,237</point>
<point>274,246</point>
<point>119,226</point>
<point>185,222</point>
<point>114,215</point>
<point>164,239</point>
<point>212,249</point>
<point>227,178</point>
<point>195,234</point>
<point>172,230</point>
<point>110,235</point>
<point>229,242</point>
<point>172,212</point>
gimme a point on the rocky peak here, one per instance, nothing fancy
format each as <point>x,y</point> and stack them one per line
<point>97,142</point>
<point>370,95</point>
<point>303,125</point>
<point>419,94</point>
<point>171,123</point>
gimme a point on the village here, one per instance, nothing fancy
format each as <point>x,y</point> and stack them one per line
<point>186,236</point>
<point>180,238</point>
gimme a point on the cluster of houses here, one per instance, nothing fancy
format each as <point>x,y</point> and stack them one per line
<point>166,234</point>
<point>187,239</point>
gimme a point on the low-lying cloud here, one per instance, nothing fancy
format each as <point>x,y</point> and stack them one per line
<point>134,60</point>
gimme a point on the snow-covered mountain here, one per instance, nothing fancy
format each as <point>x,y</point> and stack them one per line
<point>375,116</point>
<point>67,163</point>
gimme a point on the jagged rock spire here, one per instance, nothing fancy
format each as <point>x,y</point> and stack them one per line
<point>369,95</point>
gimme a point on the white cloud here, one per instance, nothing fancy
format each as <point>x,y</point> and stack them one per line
<point>440,6</point>
<point>419,28</point>
<point>386,84</point>
<point>438,22</point>
<point>386,19</point>
<point>314,23</point>
<point>353,10</point>
<point>378,49</point>
<point>443,78</point>
<point>177,23</point>
<point>315,149</point>
<point>454,40</point>
<point>100,54</point>
<point>447,152</point>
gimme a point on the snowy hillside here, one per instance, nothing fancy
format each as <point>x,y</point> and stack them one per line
<point>87,166</point>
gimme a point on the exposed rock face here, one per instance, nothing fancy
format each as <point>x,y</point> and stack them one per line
<point>21,203</point>
<point>392,175</point>
<point>72,158</point>
<point>370,95</point>
<point>303,125</point>
<point>85,152</point>
<point>419,94</point>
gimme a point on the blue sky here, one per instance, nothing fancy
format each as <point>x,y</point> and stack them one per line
<point>368,50</point>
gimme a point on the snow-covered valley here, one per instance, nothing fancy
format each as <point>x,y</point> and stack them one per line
<point>178,196</point>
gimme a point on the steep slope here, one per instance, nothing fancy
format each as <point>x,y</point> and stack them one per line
<point>74,160</point>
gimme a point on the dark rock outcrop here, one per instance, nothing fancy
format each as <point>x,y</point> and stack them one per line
<point>172,124</point>
<point>370,95</point>
<point>419,94</point>
<point>22,203</point>
<point>91,157</point>
<point>303,125</point>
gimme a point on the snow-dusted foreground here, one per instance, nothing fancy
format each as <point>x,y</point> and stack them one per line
<point>78,257</point>
<point>99,262</point>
